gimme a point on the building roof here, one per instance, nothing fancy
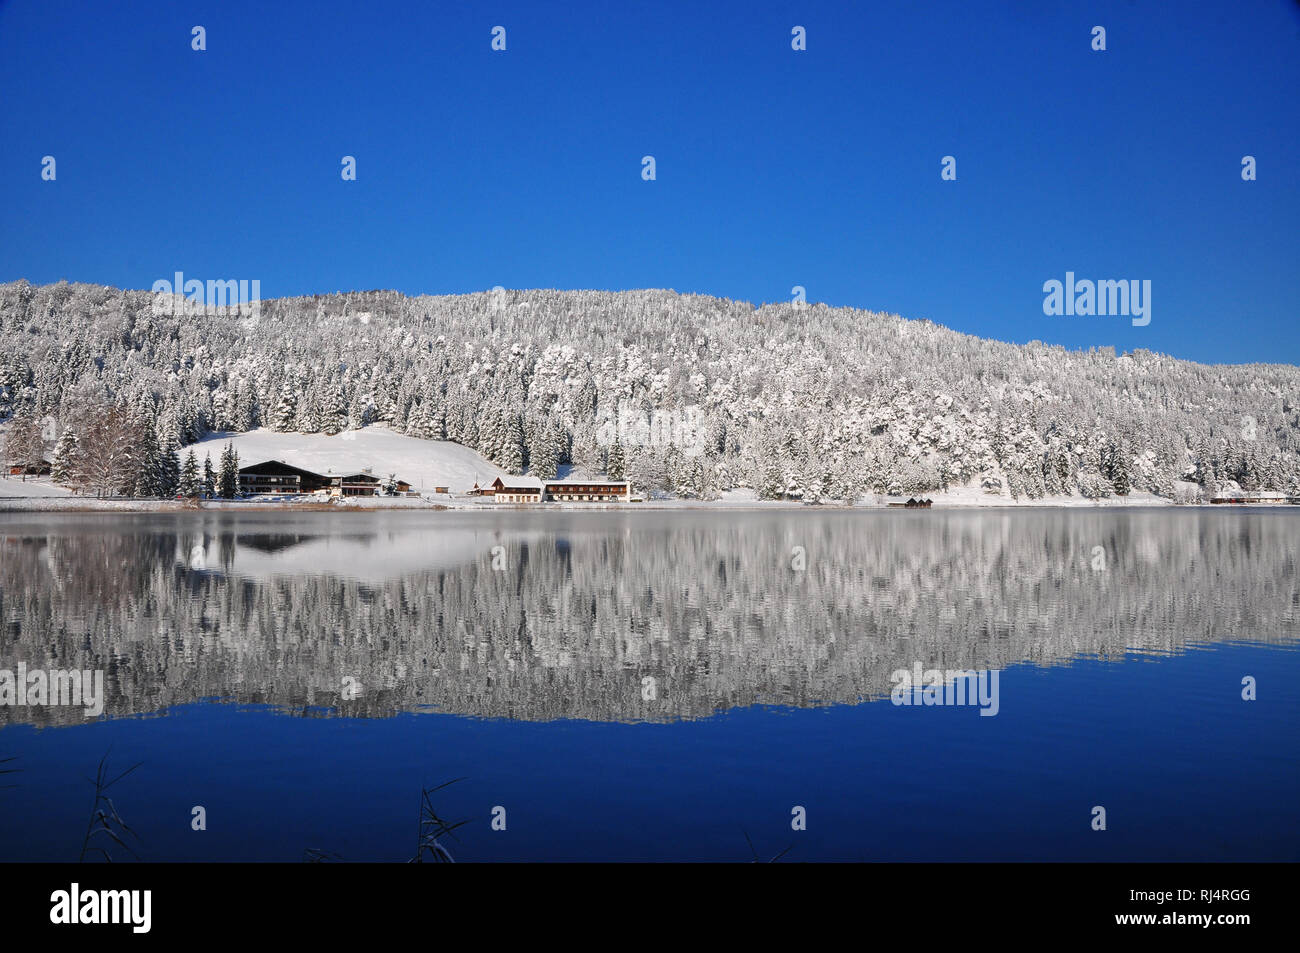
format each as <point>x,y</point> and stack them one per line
<point>592,481</point>
<point>518,482</point>
<point>277,467</point>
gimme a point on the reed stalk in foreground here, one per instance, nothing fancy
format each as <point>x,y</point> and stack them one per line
<point>4,770</point>
<point>104,818</point>
<point>755,853</point>
<point>432,827</point>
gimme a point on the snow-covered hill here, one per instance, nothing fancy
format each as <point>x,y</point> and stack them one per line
<point>422,463</point>
<point>703,395</point>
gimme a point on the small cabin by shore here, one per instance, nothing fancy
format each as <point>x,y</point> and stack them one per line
<point>32,469</point>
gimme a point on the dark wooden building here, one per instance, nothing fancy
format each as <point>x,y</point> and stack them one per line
<point>275,478</point>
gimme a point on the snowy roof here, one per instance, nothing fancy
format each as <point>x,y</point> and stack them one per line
<point>249,467</point>
<point>579,481</point>
<point>522,482</point>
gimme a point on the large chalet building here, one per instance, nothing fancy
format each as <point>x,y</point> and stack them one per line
<point>277,478</point>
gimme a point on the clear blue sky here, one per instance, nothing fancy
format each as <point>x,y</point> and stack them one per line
<point>775,168</point>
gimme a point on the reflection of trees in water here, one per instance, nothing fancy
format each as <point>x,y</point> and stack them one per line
<point>708,605</point>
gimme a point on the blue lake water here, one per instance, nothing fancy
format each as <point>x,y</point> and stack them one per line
<point>660,685</point>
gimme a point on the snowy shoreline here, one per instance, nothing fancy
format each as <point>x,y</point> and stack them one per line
<point>47,504</point>
<point>41,495</point>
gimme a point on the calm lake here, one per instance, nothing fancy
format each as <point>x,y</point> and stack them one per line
<point>660,685</point>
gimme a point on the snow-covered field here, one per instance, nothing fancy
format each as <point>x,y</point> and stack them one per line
<point>32,487</point>
<point>422,463</point>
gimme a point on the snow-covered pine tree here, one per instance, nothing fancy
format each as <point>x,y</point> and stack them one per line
<point>245,410</point>
<point>190,479</point>
<point>222,409</point>
<point>362,411</point>
<point>452,419</point>
<point>490,439</point>
<point>770,478</point>
<point>228,476</point>
<point>437,418</point>
<point>614,462</point>
<point>469,424</point>
<point>308,416</point>
<point>148,465</point>
<point>209,486</point>
<point>512,445</point>
<point>1274,478</point>
<point>1120,477</point>
<point>169,468</point>
<point>544,455</point>
<point>334,410</point>
<point>417,421</point>
<point>63,468</point>
<point>285,415</point>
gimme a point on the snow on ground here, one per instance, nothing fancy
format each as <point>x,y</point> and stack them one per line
<point>422,463</point>
<point>31,487</point>
<point>84,504</point>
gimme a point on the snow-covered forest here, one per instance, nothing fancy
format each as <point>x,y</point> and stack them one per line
<point>801,401</point>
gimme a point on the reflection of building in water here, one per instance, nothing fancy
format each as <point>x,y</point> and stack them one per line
<point>590,604</point>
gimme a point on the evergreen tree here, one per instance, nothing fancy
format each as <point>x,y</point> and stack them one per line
<point>286,409</point>
<point>63,469</point>
<point>490,439</point>
<point>308,417</point>
<point>437,419</point>
<point>544,457</point>
<point>418,423</point>
<point>190,485</point>
<point>245,409</point>
<point>469,424</point>
<point>148,465</point>
<point>168,466</point>
<point>334,411</point>
<point>228,477</point>
<point>1120,476</point>
<point>1273,474</point>
<point>614,464</point>
<point>512,445</point>
<point>771,480</point>
<point>209,486</point>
